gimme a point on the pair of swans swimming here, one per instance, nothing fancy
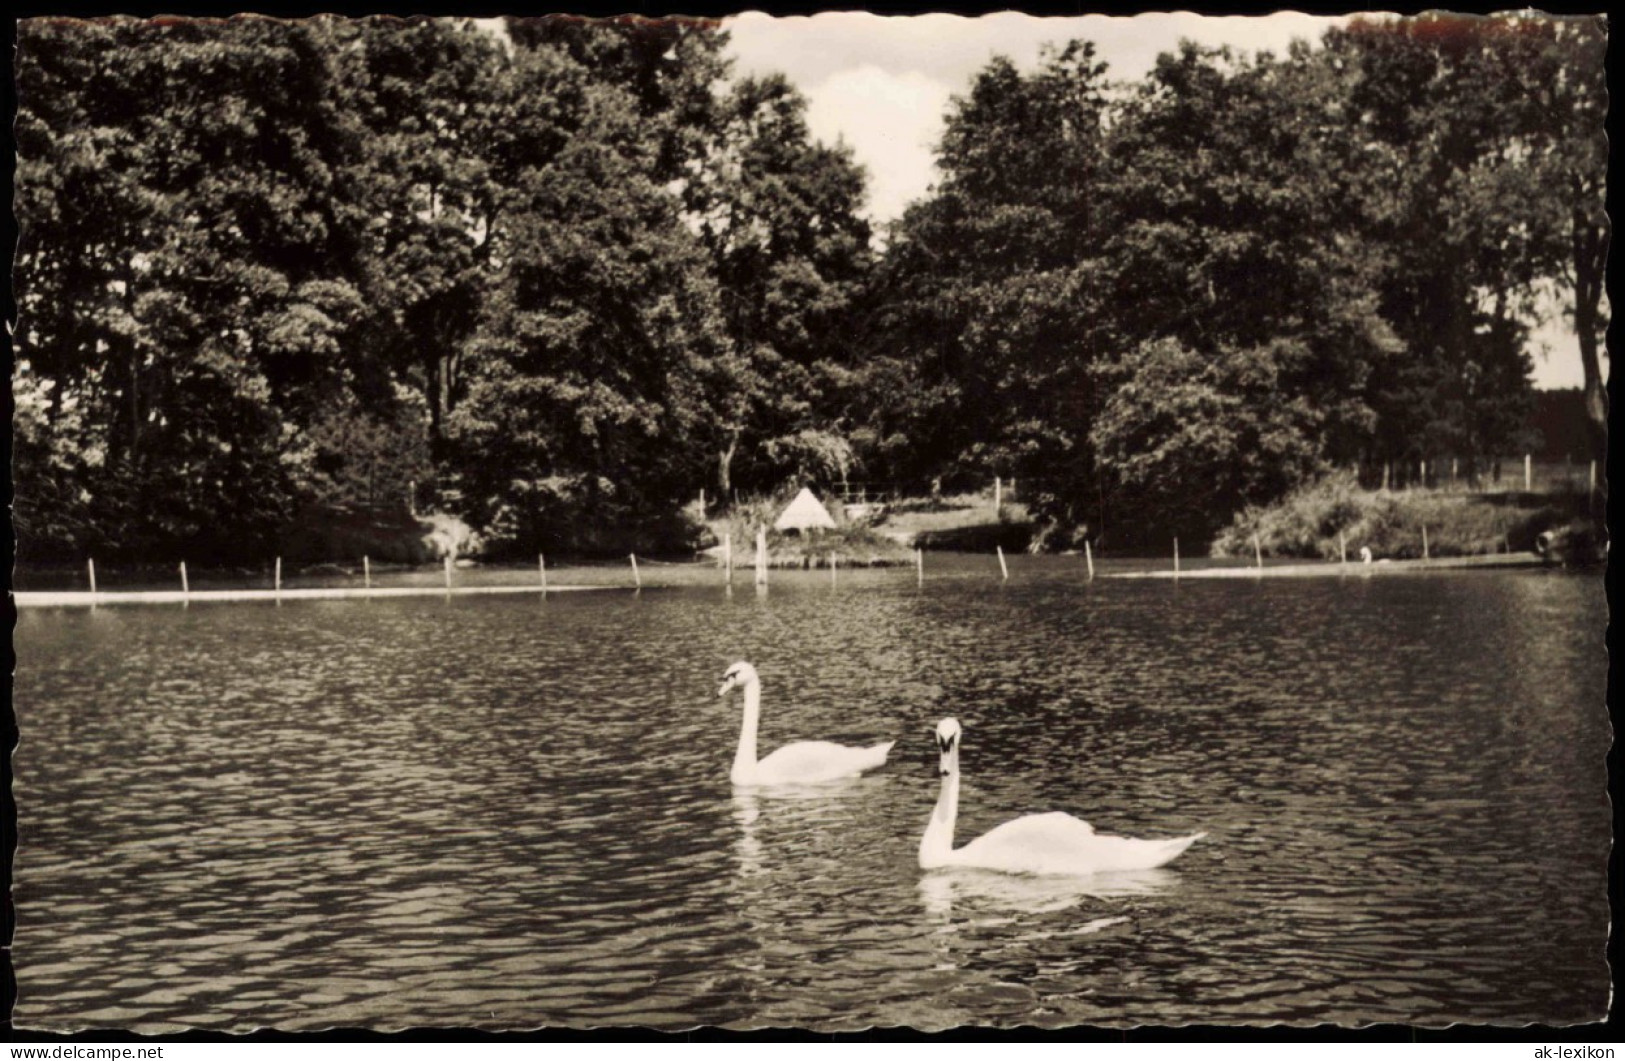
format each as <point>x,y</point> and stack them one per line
<point>1035,843</point>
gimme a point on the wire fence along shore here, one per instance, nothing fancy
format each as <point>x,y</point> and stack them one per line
<point>464,579</point>
<point>966,567</point>
<point>1324,568</point>
<point>85,598</point>
<point>146,584</point>
<point>1510,473</point>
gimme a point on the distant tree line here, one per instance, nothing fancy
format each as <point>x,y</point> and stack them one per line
<point>1159,302</point>
<point>565,275</point>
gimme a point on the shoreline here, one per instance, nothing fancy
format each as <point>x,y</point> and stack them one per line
<point>1320,569</point>
<point>1326,568</point>
<point>87,599</point>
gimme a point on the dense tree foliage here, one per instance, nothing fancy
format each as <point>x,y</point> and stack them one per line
<point>556,275</point>
<point>1456,210</point>
<point>586,388</point>
<point>1546,75</point>
<point>269,265</point>
<point>991,296</point>
<point>779,216</point>
<point>1161,301</point>
<point>188,272</point>
<point>1245,317</point>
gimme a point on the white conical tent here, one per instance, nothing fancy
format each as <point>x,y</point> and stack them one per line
<point>804,513</point>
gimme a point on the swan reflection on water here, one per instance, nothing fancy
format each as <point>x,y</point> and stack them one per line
<point>748,808</point>
<point>978,922</point>
<point>976,891</point>
<point>798,811</point>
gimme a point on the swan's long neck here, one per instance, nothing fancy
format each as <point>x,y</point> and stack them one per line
<point>745,757</point>
<point>937,845</point>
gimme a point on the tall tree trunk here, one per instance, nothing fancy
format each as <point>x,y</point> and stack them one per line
<point>1596,395</point>
<point>135,363</point>
<point>135,402</point>
<point>432,365</point>
<point>725,461</point>
<point>1590,244</point>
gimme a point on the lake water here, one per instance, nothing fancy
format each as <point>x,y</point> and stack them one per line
<point>514,812</point>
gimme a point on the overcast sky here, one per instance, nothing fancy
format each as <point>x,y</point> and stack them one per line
<point>881,85</point>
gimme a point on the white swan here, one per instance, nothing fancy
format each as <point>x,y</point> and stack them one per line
<point>804,762</point>
<point>1036,843</point>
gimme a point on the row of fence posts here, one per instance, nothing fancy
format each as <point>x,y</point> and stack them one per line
<point>1528,474</point>
<point>761,564</point>
<point>276,575</point>
<point>1258,552</point>
<point>919,554</point>
<point>366,574</point>
<point>637,579</point>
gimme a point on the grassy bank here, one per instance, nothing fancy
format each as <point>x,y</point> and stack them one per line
<point>964,522</point>
<point>1311,522</point>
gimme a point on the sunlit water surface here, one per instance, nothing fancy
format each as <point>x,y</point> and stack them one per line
<point>514,812</point>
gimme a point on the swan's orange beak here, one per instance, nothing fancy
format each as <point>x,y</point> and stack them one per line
<point>727,684</point>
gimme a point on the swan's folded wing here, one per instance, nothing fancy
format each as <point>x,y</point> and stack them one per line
<point>1060,843</point>
<point>1035,843</point>
<point>818,760</point>
<point>1029,829</point>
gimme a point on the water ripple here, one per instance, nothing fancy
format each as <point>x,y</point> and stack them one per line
<point>512,813</point>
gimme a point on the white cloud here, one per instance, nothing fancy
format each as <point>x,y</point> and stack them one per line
<point>882,83</point>
<point>892,123</point>
<point>951,48</point>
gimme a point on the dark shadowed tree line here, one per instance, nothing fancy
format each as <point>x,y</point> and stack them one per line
<point>557,279</point>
